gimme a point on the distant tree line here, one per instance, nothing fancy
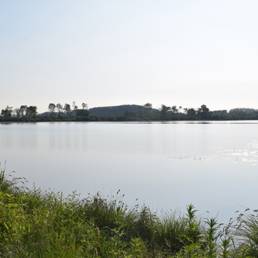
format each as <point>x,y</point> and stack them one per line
<point>52,107</point>
<point>180,113</point>
<point>24,113</point>
<point>73,112</point>
<point>204,113</point>
<point>56,112</point>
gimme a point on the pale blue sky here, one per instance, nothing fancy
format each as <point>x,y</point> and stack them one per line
<point>109,52</point>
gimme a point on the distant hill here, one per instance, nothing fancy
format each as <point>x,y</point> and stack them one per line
<point>128,112</point>
<point>246,113</point>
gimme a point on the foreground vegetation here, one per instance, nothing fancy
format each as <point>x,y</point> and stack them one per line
<point>37,224</point>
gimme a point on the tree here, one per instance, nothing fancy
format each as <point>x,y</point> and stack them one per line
<point>7,112</point>
<point>22,111</point>
<point>174,109</point>
<point>16,112</point>
<point>204,108</point>
<point>191,113</point>
<point>148,105</point>
<point>59,107</point>
<point>67,108</point>
<point>84,105</point>
<point>52,107</point>
<point>163,111</point>
<point>203,112</point>
<point>31,112</point>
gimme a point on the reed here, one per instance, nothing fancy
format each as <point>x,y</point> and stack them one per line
<point>45,224</point>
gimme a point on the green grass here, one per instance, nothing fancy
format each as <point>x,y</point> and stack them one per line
<point>47,225</point>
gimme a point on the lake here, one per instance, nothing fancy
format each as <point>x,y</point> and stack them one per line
<point>213,165</point>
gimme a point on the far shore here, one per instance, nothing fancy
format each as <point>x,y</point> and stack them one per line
<point>123,113</point>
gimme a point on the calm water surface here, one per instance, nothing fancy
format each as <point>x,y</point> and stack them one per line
<point>164,165</point>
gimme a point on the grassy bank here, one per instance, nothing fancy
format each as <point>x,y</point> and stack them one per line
<point>37,224</point>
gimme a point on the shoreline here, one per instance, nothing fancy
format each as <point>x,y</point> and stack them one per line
<point>118,121</point>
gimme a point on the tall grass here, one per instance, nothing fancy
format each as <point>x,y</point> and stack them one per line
<point>47,225</point>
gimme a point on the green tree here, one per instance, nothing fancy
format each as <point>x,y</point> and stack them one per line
<point>203,112</point>
<point>191,113</point>
<point>84,105</point>
<point>22,111</point>
<point>59,107</point>
<point>164,111</point>
<point>31,112</point>
<point>7,112</point>
<point>174,109</point>
<point>148,105</point>
<point>51,107</point>
<point>67,108</point>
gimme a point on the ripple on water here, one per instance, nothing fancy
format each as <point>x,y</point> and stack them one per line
<point>247,154</point>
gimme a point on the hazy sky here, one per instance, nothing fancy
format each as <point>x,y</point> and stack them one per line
<point>109,52</point>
